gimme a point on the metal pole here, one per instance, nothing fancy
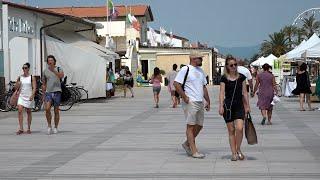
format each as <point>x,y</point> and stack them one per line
<point>41,46</point>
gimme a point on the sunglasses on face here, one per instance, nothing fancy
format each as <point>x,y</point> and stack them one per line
<point>25,68</point>
<point>233,65</point>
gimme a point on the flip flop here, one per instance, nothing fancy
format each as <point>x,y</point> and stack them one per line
<point>302,110</point>
<point>19,132</point>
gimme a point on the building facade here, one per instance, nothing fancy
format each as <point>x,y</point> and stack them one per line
<point>165,57</point>
<point>117,33</point>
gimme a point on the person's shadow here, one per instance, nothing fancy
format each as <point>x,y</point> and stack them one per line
<point>249,158</point>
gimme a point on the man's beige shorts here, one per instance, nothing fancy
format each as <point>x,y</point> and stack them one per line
<point>194,113</point>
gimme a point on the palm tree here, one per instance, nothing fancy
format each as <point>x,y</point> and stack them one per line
<point>254,57</point>
<point>301,35</point>
<point>311,25</point>
<point>277,45</point>
<point>266,48</point>
<point>290,32</point>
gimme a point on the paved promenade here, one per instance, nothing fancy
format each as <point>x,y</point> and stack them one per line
<point>125,138</point>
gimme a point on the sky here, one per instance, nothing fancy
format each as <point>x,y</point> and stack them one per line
<point>228,23</point>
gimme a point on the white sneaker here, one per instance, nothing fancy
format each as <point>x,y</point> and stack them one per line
<point>198,155</point>
<point>55,131</point>
<point>187,149</point>
<point>49,131</point>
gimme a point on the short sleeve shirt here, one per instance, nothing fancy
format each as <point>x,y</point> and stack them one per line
<point>52,80</point>
<point>233,87</point>
<point>194,84</point>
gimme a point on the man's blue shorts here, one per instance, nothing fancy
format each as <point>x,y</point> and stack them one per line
<point>54,98</point>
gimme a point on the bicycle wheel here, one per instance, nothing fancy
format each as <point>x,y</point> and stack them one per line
<point>37,103</point>
<point>84,94</point>
<point>4,107</point>
<point>66,105</point>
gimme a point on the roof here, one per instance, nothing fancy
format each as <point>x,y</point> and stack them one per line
<point>102,11</point>
<point>44,11</point>
<point>175,48</point>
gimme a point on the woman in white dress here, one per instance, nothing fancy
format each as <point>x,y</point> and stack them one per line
<point>27,85</point>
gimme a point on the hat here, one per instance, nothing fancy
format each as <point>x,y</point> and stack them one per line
<point>194,55</point>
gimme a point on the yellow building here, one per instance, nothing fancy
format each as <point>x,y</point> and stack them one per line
<point>165,57</point>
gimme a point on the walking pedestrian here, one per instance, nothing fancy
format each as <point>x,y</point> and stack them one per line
<point>266,84</point>
<point>191,83</point>
<point>303,86</point>
<point>128,83</point>
<point>109,83</point>
<point>171,76</point>
<point>27,87</point>
<point>246,72</point>
<point>156,81</point>
<point>233,100</point>
<point>52,87</point>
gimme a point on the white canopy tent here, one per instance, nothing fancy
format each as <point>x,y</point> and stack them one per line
<point>296,53</point>
<point>83,67</point>
<point>257,62</point>
<point>268,60</point>
<point>313,52</point>
<point>262,60</point>
<point>81,42</point>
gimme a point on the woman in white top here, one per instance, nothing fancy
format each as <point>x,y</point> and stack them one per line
<point>27,85</point>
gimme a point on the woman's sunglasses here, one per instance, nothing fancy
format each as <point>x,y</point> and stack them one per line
<point>233,65</point>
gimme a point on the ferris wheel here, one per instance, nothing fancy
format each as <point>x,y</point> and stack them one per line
<point>305,14</point>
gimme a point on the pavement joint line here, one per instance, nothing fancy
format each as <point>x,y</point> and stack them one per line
<point>84,146</point>
<point>292,123</point>
<point>272,158</point>
<point>172,175</point>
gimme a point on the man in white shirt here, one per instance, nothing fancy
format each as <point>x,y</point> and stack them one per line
<point>190,83</point>
<point>245,71</point>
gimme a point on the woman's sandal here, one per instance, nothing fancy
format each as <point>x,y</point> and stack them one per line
<point>19,132</point>
<point>234,157</point>
<point>240,155</point>
<point>28,131</point>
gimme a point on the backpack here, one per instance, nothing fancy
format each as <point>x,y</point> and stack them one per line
<point>65,93</point>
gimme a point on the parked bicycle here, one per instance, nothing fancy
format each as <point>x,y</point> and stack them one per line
<point>77,95</point>
<point>38,101</point>
<point>5,105</point>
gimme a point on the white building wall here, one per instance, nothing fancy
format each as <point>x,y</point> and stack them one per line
<point>21,41</point>
<point>113,28</point>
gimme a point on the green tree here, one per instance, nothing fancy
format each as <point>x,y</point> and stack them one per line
<point>291,33</point>
<point>310,25</point>
<point>254,57</point>
<point>301,35</point>
<point>277,44</point>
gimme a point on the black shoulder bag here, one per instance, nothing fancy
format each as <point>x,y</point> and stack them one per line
<point>185,78</point>
<point>65,93</point>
